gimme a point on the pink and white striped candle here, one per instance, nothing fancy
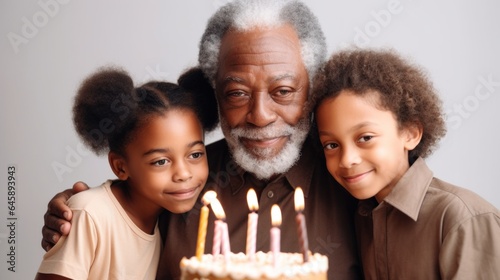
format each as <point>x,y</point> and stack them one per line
<point>221,233</point>
<point>275,233</point>
<point>217,242</point>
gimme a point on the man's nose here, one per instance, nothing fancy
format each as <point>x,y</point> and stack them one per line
<point>262,110</point>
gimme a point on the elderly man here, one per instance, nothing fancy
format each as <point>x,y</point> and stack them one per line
<point>259,56</point>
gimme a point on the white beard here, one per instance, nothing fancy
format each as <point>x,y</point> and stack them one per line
<point>260,161</point>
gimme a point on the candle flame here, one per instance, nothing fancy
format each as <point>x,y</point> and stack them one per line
<point>208,197</point>
<point>275,216</point>
<point>217,208</point>
<point>299,199</point>
<point>253,203</point>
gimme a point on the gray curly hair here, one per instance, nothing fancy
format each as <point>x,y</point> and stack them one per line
<point>245,15</point>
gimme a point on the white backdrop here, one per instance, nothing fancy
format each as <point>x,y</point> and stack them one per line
<point>48,46</point>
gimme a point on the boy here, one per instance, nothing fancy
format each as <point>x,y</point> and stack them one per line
<point>378,117</point>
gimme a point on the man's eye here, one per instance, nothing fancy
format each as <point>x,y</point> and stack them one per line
<point>284,92</point>
<point>236,94</point>
<point>236,98</point>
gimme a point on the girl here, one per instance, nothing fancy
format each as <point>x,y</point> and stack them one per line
<point>153,136</point>
<point>378,117</point>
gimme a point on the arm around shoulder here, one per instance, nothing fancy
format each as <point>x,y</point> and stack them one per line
<point>58,216</point>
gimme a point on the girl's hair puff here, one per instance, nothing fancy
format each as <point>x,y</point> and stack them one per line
<point>108,109</point>
<point>205,102</point>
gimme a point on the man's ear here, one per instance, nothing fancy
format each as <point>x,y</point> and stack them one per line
<point>118,165</point>
<point>413,134</point>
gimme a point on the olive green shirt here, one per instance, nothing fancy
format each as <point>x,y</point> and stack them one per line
<point>428,229</point>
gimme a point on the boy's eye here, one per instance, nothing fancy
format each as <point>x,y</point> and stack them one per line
<point>365,138</point>
<point>330,146</point>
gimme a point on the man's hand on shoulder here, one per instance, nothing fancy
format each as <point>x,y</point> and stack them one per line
<point>58,216</point>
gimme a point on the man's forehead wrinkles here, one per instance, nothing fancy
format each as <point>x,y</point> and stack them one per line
<point>273,78</point>
<point>249,50</point>
<point>233,79</point>
<point>285,76</point>
<point>277,57</point>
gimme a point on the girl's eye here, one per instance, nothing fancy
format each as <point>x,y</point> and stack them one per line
<point>365,138</point>
<point>160,162</point>
<point>330,146</point>
<point>196,155</point>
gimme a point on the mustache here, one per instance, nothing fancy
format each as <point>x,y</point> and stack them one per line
<point>259,133</point>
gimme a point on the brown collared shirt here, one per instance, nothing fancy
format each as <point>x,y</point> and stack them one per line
<point>428,229</point>
<point>329,212</point>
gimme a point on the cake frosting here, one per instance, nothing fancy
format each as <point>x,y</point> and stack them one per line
<point>238,266</point>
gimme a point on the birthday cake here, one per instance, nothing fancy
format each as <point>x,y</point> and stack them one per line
<point>239,266</point>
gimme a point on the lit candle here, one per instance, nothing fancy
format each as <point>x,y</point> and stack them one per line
<point>301,223</point>
<point>275,233</point>
<point>253,218</point>
<point>221,233</point>
<point>202,228</point>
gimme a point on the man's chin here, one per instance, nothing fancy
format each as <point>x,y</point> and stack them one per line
<point>263,154</point>
<point>268,162</point>
<point>265,147</point>
<point>266,158</point>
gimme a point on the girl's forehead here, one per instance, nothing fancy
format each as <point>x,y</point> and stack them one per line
<point>170,126</point>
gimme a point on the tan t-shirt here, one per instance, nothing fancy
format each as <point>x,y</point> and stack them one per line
<point>103,243</point>
<point>429,229</point>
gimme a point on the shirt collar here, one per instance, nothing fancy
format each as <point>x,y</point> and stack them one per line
<point>408,194</point>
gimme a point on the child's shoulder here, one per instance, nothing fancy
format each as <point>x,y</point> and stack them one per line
<point>96,196</point>
<point>460,201</point>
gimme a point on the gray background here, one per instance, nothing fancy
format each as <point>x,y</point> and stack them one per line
<point>47,47</point>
